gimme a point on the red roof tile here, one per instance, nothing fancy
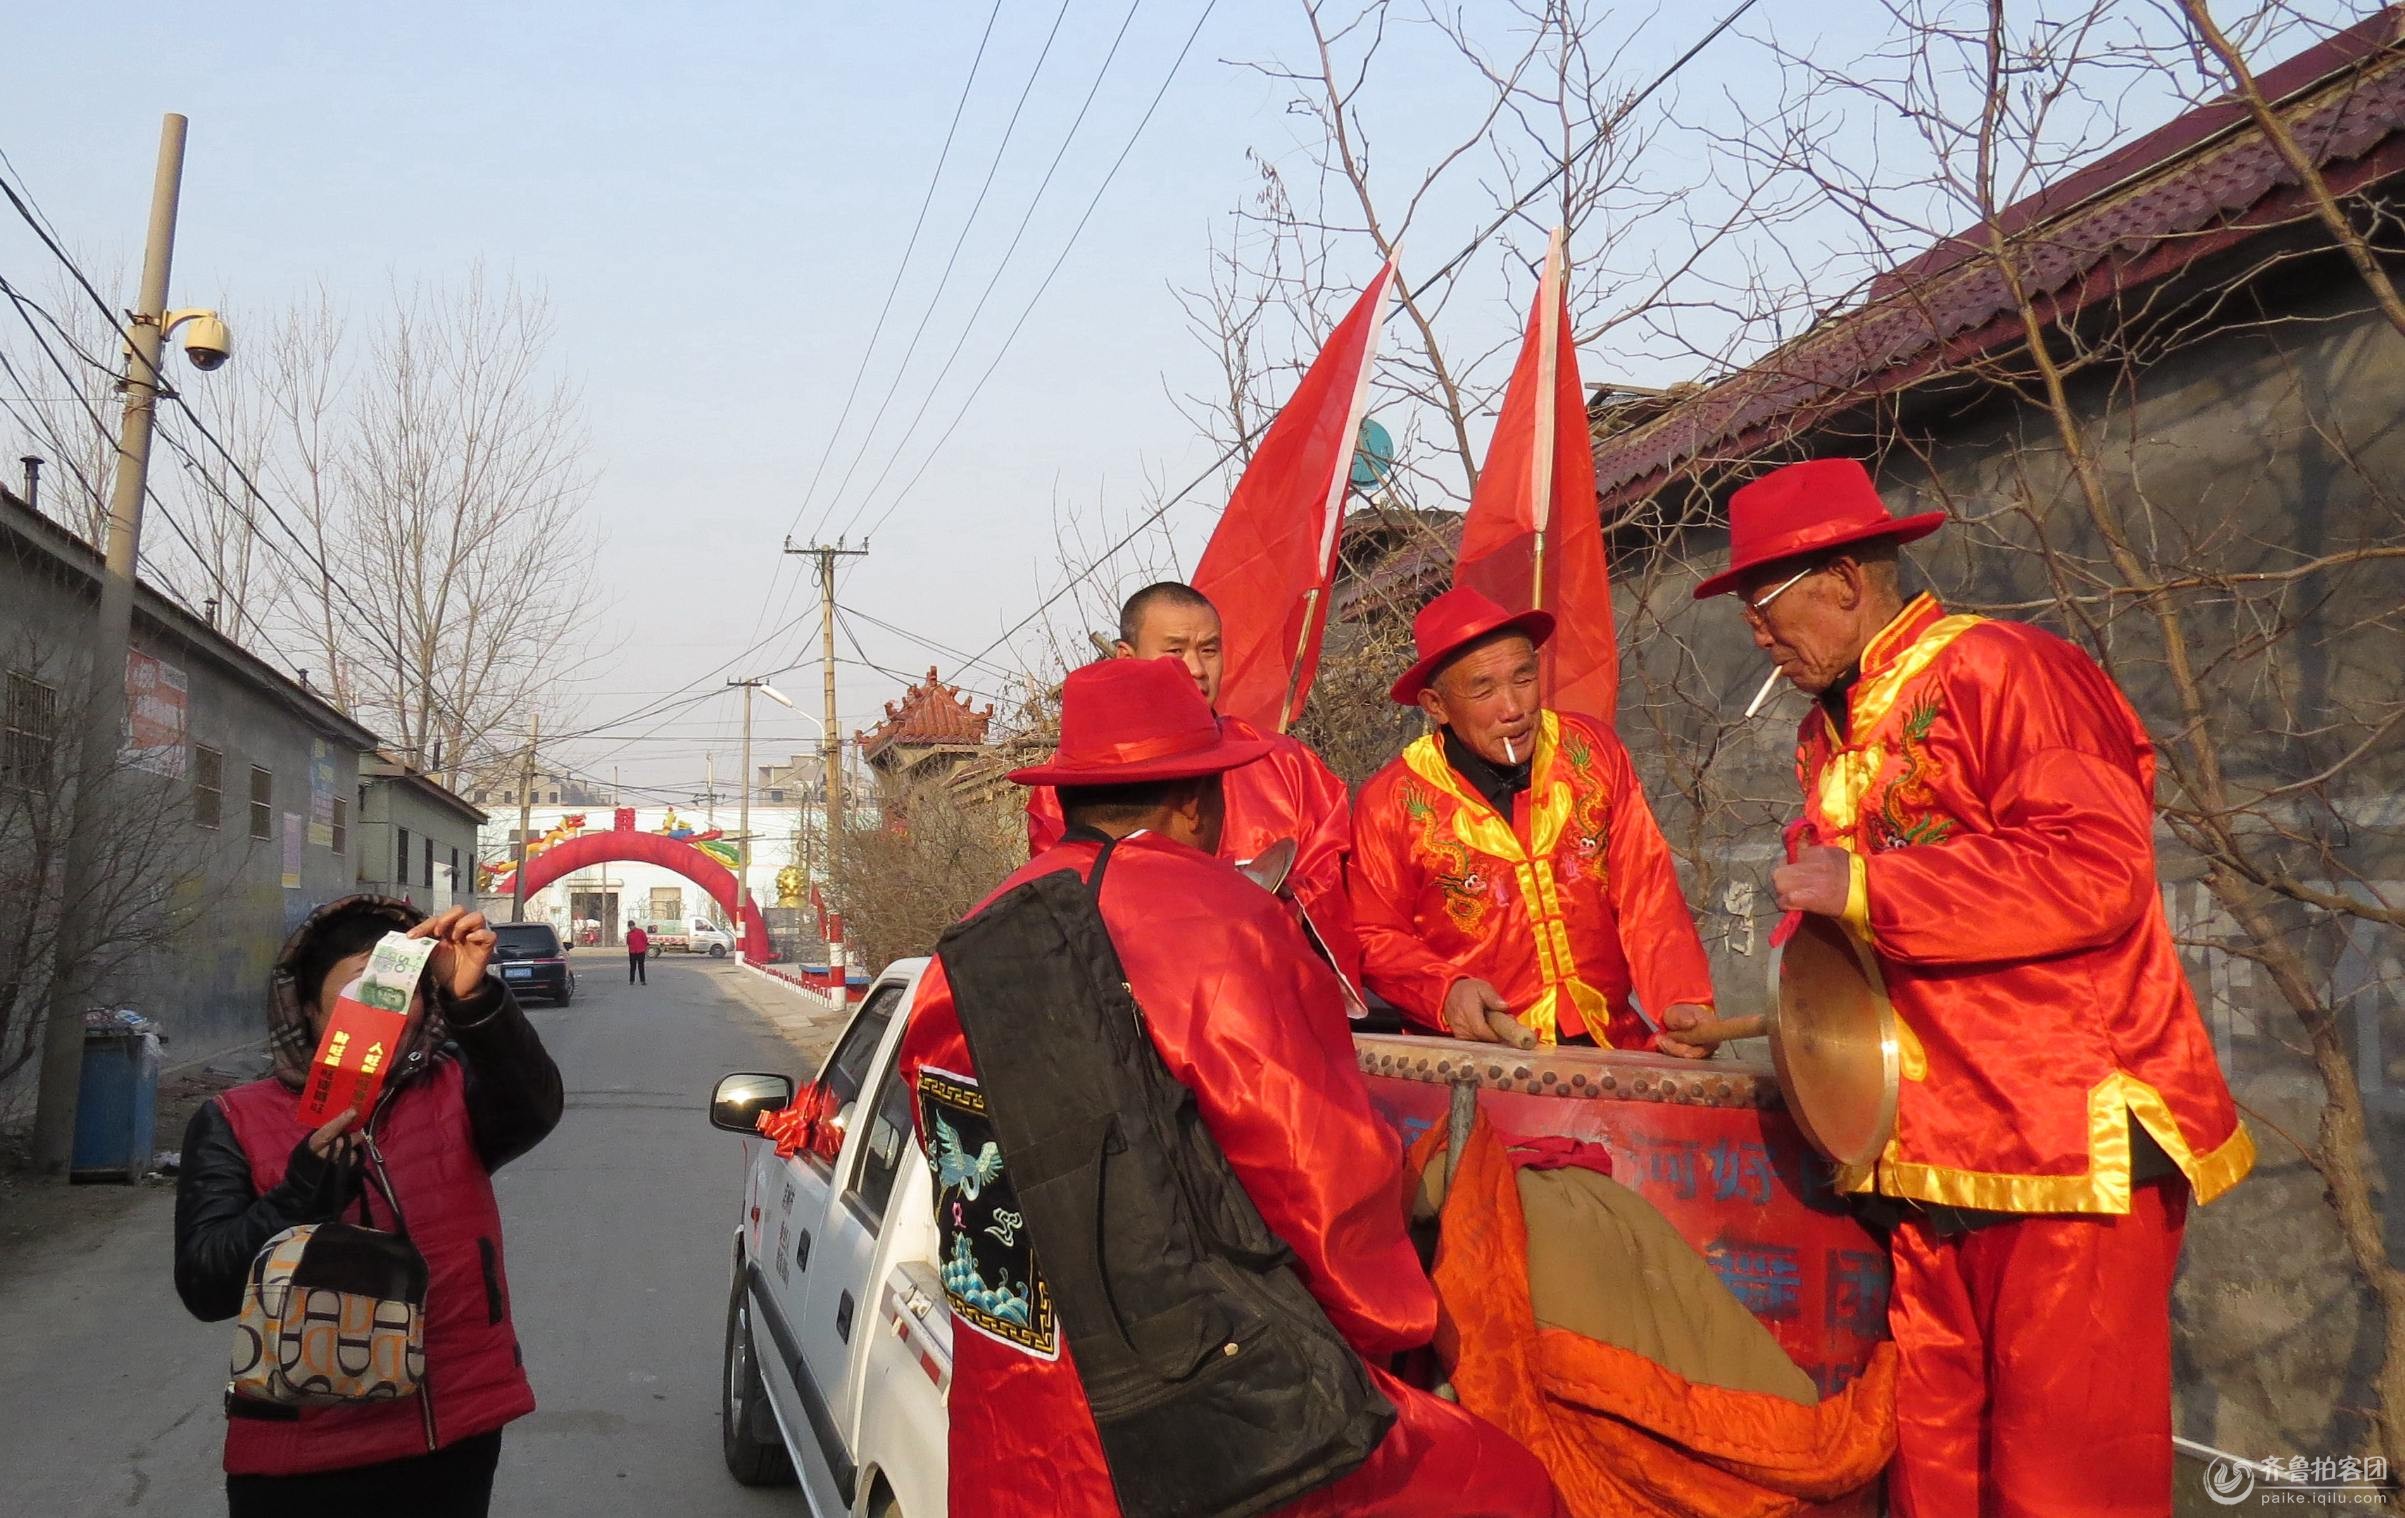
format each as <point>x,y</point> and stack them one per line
<point>930,713</point>
<point>2192,188</point>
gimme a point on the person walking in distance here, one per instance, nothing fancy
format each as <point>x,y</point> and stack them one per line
<point>638,949</point>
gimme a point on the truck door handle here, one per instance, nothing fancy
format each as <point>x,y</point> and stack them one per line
<point>843,1317</point>
<point>801,1251</point>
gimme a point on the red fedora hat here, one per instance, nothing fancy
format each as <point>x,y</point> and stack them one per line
<point>1451,623</point>
<point>1125,721</point>
<point>1806,508</point>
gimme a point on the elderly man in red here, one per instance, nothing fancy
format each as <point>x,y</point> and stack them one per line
<point>1249,1019</point>
<point>1291,793</point>
<point>1979,812</point>
<point>1509,881</point>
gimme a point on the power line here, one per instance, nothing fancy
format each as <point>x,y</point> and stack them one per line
<point>1010,129</point>
<point>977,309</point>
<point>877,330</point>
<point>66,453</point>
<point>1049,275</point>
<point>932,646</point>
<point>909,247</point>
<point>327,579</point>
<point>1559,169</point>
<point>842,620</point>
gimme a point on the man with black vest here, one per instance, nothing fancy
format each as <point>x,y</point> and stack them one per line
<point>1210,971</point>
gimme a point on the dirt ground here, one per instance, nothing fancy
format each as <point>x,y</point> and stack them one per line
<point>31,1211</point>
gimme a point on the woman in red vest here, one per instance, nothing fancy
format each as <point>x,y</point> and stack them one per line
<point>472,1081</point>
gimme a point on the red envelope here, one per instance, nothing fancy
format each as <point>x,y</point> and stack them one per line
<point>353,1057</point>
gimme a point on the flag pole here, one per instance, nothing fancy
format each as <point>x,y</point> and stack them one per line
<point>1332,519</point>
<point>1549,301</point>
<point>1302,644</point>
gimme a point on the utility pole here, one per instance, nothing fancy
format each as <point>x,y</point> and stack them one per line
<point>709,788</point>
<point>80,895</point>
<point>534,737</point>
<point>830,743</point>
<point>743,824</point>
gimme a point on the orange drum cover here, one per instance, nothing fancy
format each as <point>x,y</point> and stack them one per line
<point>1833,1041</point>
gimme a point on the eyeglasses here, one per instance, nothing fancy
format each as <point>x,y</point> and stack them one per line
<point>1755,606</point>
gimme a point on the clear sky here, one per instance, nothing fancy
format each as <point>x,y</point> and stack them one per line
<point>713,196</point>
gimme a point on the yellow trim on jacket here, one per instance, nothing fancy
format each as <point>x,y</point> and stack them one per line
<point>2103,1188</point>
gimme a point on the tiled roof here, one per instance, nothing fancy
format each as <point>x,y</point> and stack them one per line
<point>2199,185</point>
<point>929,713</point>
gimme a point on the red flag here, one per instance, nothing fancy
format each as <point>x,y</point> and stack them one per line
<point>1272,559</point>
<point>1533,537</point>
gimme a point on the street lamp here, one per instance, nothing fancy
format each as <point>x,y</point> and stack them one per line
<point>743,820</point>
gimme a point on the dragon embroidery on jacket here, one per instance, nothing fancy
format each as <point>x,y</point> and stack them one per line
<point>1906,813</point>
<point>1447,858</point>
<point>1590,814</point>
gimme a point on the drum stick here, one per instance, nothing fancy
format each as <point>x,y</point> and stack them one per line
<point>1721,1030</point>
<point>1769,683</point>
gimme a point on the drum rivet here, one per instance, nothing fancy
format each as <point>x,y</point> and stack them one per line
<point>1494,1072</point>
<point>1580,1080</point>
<point>1521,1073</point>
<point>1550,1077</point>
<point>1610,1082</point>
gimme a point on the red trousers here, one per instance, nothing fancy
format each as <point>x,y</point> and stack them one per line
<point>2036,1375</point>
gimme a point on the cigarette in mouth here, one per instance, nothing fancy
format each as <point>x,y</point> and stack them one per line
<point>1510,755</point>
<point>1762,695</point>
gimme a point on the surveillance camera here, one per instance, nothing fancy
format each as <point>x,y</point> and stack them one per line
<point>207,343</point>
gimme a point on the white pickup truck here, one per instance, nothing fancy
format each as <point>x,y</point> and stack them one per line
<point>838,1338</point>
<point>696,935</point>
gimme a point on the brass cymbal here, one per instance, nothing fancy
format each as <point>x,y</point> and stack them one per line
<point>1268,868</point>
<point>1833,1041</point>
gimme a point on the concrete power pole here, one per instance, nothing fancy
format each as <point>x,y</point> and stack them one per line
<point>743,827</point>
<point>534,738</point>
<point>743,823</point>
<point>830,743</point>
<point>79,931</point>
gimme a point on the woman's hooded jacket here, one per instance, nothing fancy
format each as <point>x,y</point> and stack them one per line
<point>472,1082</point>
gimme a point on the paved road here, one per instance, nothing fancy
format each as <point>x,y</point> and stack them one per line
<point>617,1235</point>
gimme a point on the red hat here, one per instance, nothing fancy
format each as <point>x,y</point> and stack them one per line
<point>1805,508</point>
<point>1125,721</point>
<point>1451,623</point>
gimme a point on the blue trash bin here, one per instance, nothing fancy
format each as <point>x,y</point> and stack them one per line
<point>116,1103</point>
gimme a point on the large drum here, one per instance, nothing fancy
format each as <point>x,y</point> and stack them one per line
<point>1709,1144</point>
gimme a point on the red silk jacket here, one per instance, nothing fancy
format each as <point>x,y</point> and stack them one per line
<point>1252,1021</point>
<point>1996,792</point>
<point>1288,792</point>
<point>1565,908</point>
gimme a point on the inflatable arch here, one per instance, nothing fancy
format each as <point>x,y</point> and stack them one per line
<point>588,849</point>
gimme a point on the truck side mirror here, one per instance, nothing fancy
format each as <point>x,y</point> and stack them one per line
<point>740,1099</point>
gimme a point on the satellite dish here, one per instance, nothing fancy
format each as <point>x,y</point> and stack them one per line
<point>1373,456</point>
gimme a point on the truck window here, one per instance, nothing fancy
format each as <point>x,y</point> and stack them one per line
<point>888,1141</point>
<point>846,1072</point>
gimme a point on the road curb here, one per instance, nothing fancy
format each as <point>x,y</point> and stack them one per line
<point>802,1015</point>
